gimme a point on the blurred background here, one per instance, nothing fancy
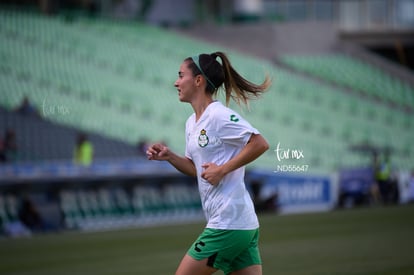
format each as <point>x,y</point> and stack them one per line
<point>86,86</point>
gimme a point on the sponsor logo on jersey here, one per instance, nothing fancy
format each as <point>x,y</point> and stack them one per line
<point>234,118</point>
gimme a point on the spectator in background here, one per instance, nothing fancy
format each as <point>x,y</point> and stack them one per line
<point>374,189</point>
<point>2,151</point>
<point>30,217</point>
<point>386,181</point>
<point>26,108</point>
<point>83,152</point>
<point>8,147</point>
<point>267,204</point>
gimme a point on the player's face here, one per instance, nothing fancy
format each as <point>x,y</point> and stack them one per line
<point>185,83</point>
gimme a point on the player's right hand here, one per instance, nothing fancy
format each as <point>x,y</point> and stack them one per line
<point>158,151</point>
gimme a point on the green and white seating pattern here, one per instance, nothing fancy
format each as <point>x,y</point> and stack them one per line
<point>357,75</point>
<point>117,79</point>
<point>107,208</point>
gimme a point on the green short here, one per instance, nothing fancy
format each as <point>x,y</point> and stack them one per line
<point>227,250</point>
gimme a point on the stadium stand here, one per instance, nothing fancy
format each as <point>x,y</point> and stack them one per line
<point>359,76</point>
<point>116,79</point>
<point>40,140</point>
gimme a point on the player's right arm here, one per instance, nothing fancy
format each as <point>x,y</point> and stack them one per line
<point>159,151</point>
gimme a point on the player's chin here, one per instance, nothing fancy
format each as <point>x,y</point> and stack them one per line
<point>182,99</point>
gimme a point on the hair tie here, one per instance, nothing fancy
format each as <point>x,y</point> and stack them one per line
<point>196,61</point>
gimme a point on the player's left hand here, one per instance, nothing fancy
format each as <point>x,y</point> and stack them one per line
<point>212,173</point>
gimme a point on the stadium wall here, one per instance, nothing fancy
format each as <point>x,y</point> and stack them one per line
<point>106,195</point>
<point>136,193</point>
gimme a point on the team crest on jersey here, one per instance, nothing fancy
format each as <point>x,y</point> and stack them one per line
<point>203,138</point>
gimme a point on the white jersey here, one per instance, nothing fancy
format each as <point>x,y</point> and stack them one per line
<point>218,136</point>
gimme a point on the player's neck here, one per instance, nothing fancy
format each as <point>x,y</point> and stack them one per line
<point>199,106</point>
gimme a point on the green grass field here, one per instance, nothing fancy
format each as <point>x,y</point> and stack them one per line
<point>360,241</point>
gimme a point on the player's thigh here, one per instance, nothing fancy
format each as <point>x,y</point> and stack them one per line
<point>250,270</point>
<point>190,266</point>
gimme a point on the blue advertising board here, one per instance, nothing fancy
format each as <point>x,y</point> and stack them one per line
<point>296,192</point>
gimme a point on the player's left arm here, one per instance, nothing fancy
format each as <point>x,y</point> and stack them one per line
<point>255,147</point>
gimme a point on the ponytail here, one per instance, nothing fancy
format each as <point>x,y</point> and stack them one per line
<point>235,86</point>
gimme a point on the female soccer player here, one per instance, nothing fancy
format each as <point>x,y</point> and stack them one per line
<point>219,143</point>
